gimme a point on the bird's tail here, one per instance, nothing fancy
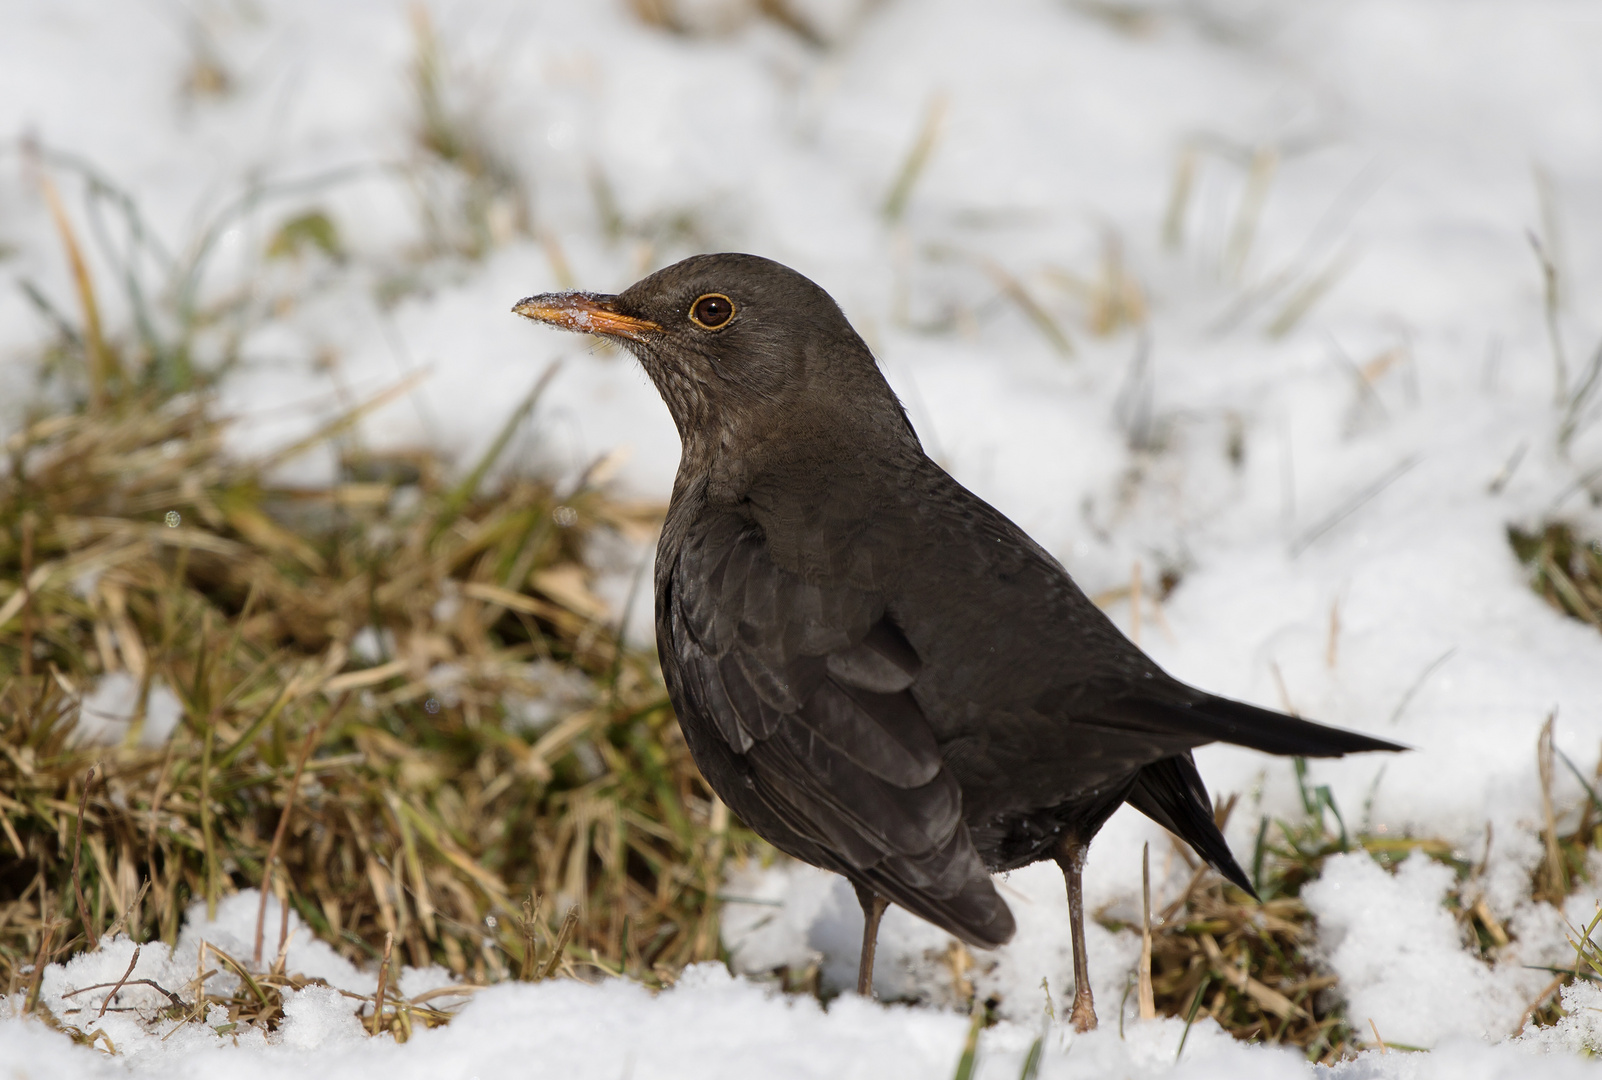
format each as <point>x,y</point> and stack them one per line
<point>1171,793</point>
<point>1216,719</point>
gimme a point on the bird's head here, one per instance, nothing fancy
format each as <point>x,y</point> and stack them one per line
<point>741,349</point>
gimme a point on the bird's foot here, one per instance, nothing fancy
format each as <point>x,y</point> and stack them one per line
<point>1084,1014</point>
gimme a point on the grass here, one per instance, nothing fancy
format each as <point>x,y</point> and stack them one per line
<point>400,705</point>
<point>471,197</point>
<point>1565,865</point>
<point>1215,952</point>
<point>1564,567</point>
<point>427,806</point>
<point>1250,966</point>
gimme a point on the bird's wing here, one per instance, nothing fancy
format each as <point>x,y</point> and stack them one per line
<point>804,688</point>
<point>1066,703</point>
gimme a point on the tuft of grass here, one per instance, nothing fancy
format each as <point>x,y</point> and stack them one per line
<point>1249,966</point>
<point>136,547</point>
<point>1564,567</point>
<point>398,703</point>
<point>1217,953</point>
<point>1566,863</point>
<point>257,999</point>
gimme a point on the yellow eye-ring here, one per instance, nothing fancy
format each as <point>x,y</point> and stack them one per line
<point>712,311</point>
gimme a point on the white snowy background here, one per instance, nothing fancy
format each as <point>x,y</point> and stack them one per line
<point>1341,392</point>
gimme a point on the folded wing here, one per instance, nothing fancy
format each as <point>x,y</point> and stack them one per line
<point>798,698</point>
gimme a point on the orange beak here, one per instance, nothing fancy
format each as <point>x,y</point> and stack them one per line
<point>586,313</point>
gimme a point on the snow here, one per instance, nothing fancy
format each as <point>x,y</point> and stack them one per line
<point>1404,151</point>
<point>109,711</point>
<point>710,1025</point>
<point>1389,935</point>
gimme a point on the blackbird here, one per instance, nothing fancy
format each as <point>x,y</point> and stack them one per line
<point>875,669</point>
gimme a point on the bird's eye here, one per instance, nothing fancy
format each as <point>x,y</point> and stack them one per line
<point>711,311</point>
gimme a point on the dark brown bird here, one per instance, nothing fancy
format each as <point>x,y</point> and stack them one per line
<point>877,671</point>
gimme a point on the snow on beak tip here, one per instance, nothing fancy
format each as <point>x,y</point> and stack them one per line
<point>585,313</point>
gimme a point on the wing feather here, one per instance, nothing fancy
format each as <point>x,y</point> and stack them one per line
<point>799,697</point>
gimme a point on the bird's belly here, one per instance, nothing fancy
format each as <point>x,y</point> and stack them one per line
<point>1014,838</point>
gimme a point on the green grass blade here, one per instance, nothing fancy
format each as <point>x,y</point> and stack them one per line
<point>1190,1016</point>
<point>1032,1060</point>
<point>970,1048</point>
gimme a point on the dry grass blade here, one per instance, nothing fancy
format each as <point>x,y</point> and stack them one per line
<point>1553,876</point>
<point>472,197</point>
<point>30,523</point>
<point>1179,198</point>
<point>1014,290</point>
<point>1253,958</point>
<point>103,366</point>
<point>283,821</point>
<point>917,159</point>
<point>344,421</point>
<point>84,914</point>
<point>1254,196</point>
<point>462,492</point>
<point>1113,298</point>
<point>1551,307</point>
<point>383,984</point>
<point>1351,506</point>
<point>1577,409</point>
<point>1310,292</point>
<point>133,962</point>
<point>125,981</point>
<point>31,1001</point>
<point>559,949</point>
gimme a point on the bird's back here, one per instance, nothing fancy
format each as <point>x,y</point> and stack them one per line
<point>1044,713</point>
<point>1021,676</point>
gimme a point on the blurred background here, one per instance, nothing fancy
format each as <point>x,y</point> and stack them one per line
<point>1276,321</point>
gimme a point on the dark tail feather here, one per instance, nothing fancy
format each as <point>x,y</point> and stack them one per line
<point>1217,719</point>
<point>1170,792</point>
<point>1276,733</point>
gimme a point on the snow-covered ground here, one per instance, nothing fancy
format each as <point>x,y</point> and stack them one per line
<point>1338,392</point>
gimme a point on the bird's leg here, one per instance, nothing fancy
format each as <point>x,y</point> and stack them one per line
<point>873,906</point>
<point>1071,857</point>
